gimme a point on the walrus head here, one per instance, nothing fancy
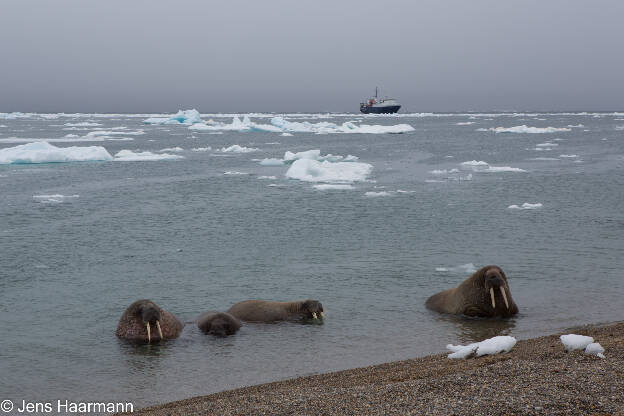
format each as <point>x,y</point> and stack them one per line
<point>221,325</point>
<point>150,315</point>
<point>494,282</point>
<point>312,309</point>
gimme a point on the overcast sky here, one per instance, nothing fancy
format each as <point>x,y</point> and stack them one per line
<point>267,55</point>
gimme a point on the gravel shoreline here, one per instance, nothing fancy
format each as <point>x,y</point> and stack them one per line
<point>538,377</point>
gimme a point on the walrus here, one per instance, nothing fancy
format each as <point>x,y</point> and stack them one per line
<point>141,318</point>
<point>486,294</point>
<point>269,311</point>
<point>218,323</point>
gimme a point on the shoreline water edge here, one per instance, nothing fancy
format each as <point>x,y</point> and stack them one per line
<point>538,376</point>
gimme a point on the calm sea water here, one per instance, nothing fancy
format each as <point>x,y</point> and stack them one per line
<point>191,238</point>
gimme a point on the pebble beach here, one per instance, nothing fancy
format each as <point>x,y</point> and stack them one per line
<point>537,377</point>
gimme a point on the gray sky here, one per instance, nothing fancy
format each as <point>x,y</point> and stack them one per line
<point>270,55</point>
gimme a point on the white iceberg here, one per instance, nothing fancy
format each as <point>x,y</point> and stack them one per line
<point>238,149</point>
<point>595,349</point>
<point>526,205</point>
<point>310,170</point>
<point>44,152</point>
<point>181,117</point>
<point>526,129</point>
<point>575,342</point>
<point>489,346</point>
<point>130,156</point>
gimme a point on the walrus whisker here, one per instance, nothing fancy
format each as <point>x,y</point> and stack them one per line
<point>504,296</point>
<point>159,330</point>
<point>149,335</point>
<point>492,295</point>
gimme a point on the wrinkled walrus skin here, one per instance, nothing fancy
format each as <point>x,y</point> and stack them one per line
<point>218,323</point>
<point>146,322</point>
<point>269,311</point>
<point>485,294</point>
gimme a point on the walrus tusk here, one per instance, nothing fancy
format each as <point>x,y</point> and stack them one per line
<point>314,315</point>
<point>149,335</point>
<point>504,296</point>
<point>492,295</point>
<point>159,330</point>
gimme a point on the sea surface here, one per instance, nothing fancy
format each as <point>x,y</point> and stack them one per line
<point>80,241</point>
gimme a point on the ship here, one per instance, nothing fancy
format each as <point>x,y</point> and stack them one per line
<point>375,105</point>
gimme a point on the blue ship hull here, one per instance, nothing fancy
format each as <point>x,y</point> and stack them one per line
<point>379,110</point>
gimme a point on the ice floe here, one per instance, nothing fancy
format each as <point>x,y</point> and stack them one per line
<point>526,129</point>
<point>573,342</point>
<point>595,349</point>
<point>481,166</point>
<point>467,268</point>
<point>333,187</point>
<point>377,193</point>
<point>465,123</point>
<point>281,125</point>
<point>83,124</point>
<point>272,162</point>
<point>231,172</point>
<point>201,149</point>
<point>44,152</point>
<point>238,149</point>
<point>568,156</point>
<point>310,170</point>
<point>267,177</point>
<point>489,346</point>
<point>176,149</point>
<point>181,117</point>
<point>130,156</point>
<point>526,205</point>
<point>577,126</point>
<point>54,199</point>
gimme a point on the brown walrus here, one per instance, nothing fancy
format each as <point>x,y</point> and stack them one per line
<point>218,323</point>
<point>486,293</point>
<point>269,311</point>
<point>144,321</point>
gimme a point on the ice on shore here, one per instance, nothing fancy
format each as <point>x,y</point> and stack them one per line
<point>281,125</point>
<point>595,349</point>
<point>181,117</point>
<point>489,346</point>
<point>130,156</point>
<point>333,187</point>
<point>481,166</point>
<point>238,149</point>
<point>310,170</point>
<point>526,129</point>
<point>573,342</point>
<point>526,205</point>
<point>44,152</point>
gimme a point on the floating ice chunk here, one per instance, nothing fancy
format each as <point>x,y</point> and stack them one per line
<point>267,177</point>
<point>489,346</point>
<point>172,149</point>
<point>3,125</point>
<point>201,149</point>
<point>377,194</point>
<point>83,124</point>
<point>481,166</point>
<point>619,127</point>
<point>595,349</point>
<point>230,172</point>
<point>272,162</point>
<point>130,156</point>
<point>443,171</point>
<point>525,129</point>
<point>181,117</point>
<point>547,144</point>
<point>462,268</point>
<point>575,342</point>
<point>309,170</point>
<point>544,158</point>
<point>44,152</point>
<point>568,156</point>
<point>526,205</point>
<point>56,199</point>
<point>580,126</point>
<point>114,132</point>
<point>286,134</point>
<point>333,187</point>
<point>465,123</point>
<point>238,149</point>
<point>290,157</point>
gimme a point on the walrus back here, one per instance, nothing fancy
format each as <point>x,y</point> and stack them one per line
<point>442,302</point>
<point>260,311</point>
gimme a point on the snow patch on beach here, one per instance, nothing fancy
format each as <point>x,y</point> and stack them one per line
<point>526,129</point>
<point>44,152</point>
<point>526,205</point>
<point>595,349</point>
<point>130,156</point>
<point>573,342</point>
<point>489,346</point>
